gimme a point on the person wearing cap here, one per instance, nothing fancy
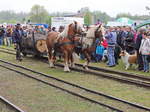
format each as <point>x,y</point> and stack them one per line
<point>111,38</point>
<point>17,38</point>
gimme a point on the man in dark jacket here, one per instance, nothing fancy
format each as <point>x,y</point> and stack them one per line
<point>121,37</point>
<point>2,32</point>
<point>137,47</point>
<point>17,39</point>
<point>129,41</point>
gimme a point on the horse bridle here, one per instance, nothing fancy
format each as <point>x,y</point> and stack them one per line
<point>96,31</point>
<point>71,37</point>
<point>75,28</point>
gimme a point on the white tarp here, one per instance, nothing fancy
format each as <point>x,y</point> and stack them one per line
<point>115,23</point>
<point>63,21</point>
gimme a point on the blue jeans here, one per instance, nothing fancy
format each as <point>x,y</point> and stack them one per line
<point>1,40</point>
<point>98,57</point>
<point>8,41</point>
<point>111,57</point>
<point>145,62</point>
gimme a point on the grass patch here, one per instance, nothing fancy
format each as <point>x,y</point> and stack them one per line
<point>120,90</point>
<point>33,96</point>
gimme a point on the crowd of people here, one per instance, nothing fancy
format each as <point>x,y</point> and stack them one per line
<point>124,38</point>
<point>12,35</point>
<point>115,40</point>
<point>6,35</point>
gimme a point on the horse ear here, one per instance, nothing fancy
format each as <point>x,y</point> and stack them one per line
<point>99,25</point>
<point>75,22</point>
<point>70,25</point>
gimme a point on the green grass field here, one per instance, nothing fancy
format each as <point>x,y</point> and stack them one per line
<point>117,89</point>
<point>121,90</point>
<point>33,96</point>
<point>119,67</point>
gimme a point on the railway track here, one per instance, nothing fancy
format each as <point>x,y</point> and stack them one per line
<point>11,105</point>
<point>135,79</point>
<point>77,90</point>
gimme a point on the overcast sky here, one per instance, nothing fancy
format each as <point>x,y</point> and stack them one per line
<point>111,7</point>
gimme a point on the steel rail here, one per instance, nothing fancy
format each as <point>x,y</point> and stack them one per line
<point>11,104</point>
<point>78,86</point>
<point>68,91</point>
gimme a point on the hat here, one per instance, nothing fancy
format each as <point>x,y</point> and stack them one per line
<point>18,24</point>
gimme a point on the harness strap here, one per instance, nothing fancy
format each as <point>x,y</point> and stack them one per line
<point>65,43</point>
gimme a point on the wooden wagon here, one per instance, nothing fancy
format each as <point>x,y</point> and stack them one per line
<point>34,44</point>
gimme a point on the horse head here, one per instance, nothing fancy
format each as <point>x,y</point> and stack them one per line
<point>99,32</point>
<point>75,29</point>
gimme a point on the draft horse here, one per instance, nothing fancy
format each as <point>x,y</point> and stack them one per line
<point>63,42</point>
<point>89,42</point>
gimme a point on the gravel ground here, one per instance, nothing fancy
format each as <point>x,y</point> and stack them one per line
<point>121,90</point>
<point>5,108</point>
<point>33,96</point>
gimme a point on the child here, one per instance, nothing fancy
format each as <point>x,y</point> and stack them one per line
<point>99,52</point>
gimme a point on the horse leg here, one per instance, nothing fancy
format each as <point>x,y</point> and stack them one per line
<point>72,60</point>
<point>66,59</point>
<point>50,60</point>
<point>88,58</point>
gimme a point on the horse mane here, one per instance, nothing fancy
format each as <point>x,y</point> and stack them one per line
<point>65,31</point>
<point>91,32</point>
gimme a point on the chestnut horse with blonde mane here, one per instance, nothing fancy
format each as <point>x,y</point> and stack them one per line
<point>89,42</point>
<point>63,42</point>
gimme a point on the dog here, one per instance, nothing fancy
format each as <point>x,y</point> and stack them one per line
<point>128,59</point>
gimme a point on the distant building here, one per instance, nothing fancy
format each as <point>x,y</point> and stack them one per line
<point>63,21</point>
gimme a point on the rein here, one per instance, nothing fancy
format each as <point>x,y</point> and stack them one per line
<point>66,43</point>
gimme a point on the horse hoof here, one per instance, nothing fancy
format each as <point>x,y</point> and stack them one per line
<point>85,67</point>
<point>51,65</point>
<point>73,65</point>
<point>66,70</point>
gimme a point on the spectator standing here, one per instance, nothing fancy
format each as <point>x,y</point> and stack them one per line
<point>8,36</point>
<point>137,47</point>
<point>145,51</point>
<point>111,37</point>
<point>121,37</point>
<point>2,32</point>
<point>17,39</point>
<point>129,41</point>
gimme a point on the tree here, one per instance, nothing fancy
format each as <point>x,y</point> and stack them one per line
<point>88,18</point>
<point>128,15</point>
<point>38,14</point>
<point>11,17</point>
<point>49,20</point>
<point>133,17</point>
<point>102,16</point>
